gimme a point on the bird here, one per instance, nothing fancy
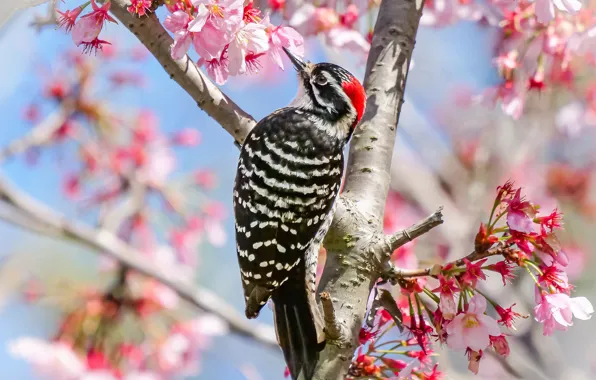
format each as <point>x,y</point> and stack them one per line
<point>287,183</point>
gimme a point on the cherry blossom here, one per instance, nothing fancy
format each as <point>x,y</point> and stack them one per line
<point>140,7</point>
<point>472,328</point>
<point>545,9</point>
<point>447,290</point>
<point>51,359</point>
<point>177,23</point>
<point>282,36</point>
<point>557,310</point>
<point>250,39</point>
<point>214,26</point>
<point>520,214</point>
<point>67,19</point>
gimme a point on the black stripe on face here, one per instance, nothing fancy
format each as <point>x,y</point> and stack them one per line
<point>311,94</point>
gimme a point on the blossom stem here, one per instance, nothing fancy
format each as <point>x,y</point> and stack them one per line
<point>431,295</point>
<point>533,265</point>
<point>492,212</point>
<point>490,227</point>
<point>533,277</point>
<point>490,300</point>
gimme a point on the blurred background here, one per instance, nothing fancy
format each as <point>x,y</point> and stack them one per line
<point>451,151</point>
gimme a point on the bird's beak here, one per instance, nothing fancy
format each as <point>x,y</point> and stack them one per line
<point>298,63</point>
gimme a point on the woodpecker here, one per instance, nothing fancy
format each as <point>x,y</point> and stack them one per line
<point>288,178</point>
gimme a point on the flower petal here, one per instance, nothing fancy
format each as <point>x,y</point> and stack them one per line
<point>581,307</point>
<point>200,20</point>
<point>476,338</point>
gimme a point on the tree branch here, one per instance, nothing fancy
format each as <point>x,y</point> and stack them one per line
<point>107,243</point>
<point>397,273</point>
<point>404,236</point>
<point>156,39</point>
<point>369,165</point>
<point>356,236</point>
<point>39,135</point>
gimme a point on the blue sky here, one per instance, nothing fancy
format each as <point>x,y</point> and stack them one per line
<point>443,58</point>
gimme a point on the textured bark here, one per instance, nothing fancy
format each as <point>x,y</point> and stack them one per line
<point>357,249</point>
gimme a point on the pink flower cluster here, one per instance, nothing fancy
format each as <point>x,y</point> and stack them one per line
<point>230,38</point>
<point>340,28</point>
<point>86,29</point>
<point>174,355</point>
<point>519,237</point>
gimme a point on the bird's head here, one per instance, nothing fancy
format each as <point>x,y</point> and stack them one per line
<point>329,91</point>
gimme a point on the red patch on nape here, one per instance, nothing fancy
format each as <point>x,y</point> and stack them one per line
<point>356,93</point>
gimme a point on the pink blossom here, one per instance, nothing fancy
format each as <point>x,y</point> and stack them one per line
<point>85,30</point>
<point>349,39</point>
<point>142,375</point>
<point>545,9</point>
<point>472,328</point>
<point>187,137</point>
<point>160,162</point>
<point>448,12</point>
<point>205,178</point>
<point>520,214</point>
<point>224,15</point>
<point>447,290</point>
<point>350,16</point>
<point>217,69</point>
<point>473,272</point>
<point>51,359</point>
<point>178,353</point>
<point>214,25</point>
<point>571,119</point>
<point>557,310</point>
<point>165,258</point>
<point>302,19</point>
<point>283,36</point>
<point>252,39</point>
<point>511,98</point>
<point>325,19</point>
<point>177,23</point>
<point>67,19</point>
<point>100,14</point>
<point>140,7</point>
<point>583,43</point>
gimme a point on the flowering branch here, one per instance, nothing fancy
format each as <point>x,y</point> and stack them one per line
<point>185,72</point>
<point>399,273</point>
<point>107,243</point>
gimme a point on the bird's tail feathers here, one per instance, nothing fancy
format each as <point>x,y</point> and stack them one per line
<point>296,329</point>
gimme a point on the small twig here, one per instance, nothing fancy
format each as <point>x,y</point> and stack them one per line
<point>335,329</point>
<point>49,19</point>
<point>404,236</point>
<point>396,273</point>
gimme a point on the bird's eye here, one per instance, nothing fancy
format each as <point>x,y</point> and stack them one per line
<point>321,80</point>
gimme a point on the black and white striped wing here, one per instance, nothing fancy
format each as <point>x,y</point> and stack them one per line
<point>289,174</point>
